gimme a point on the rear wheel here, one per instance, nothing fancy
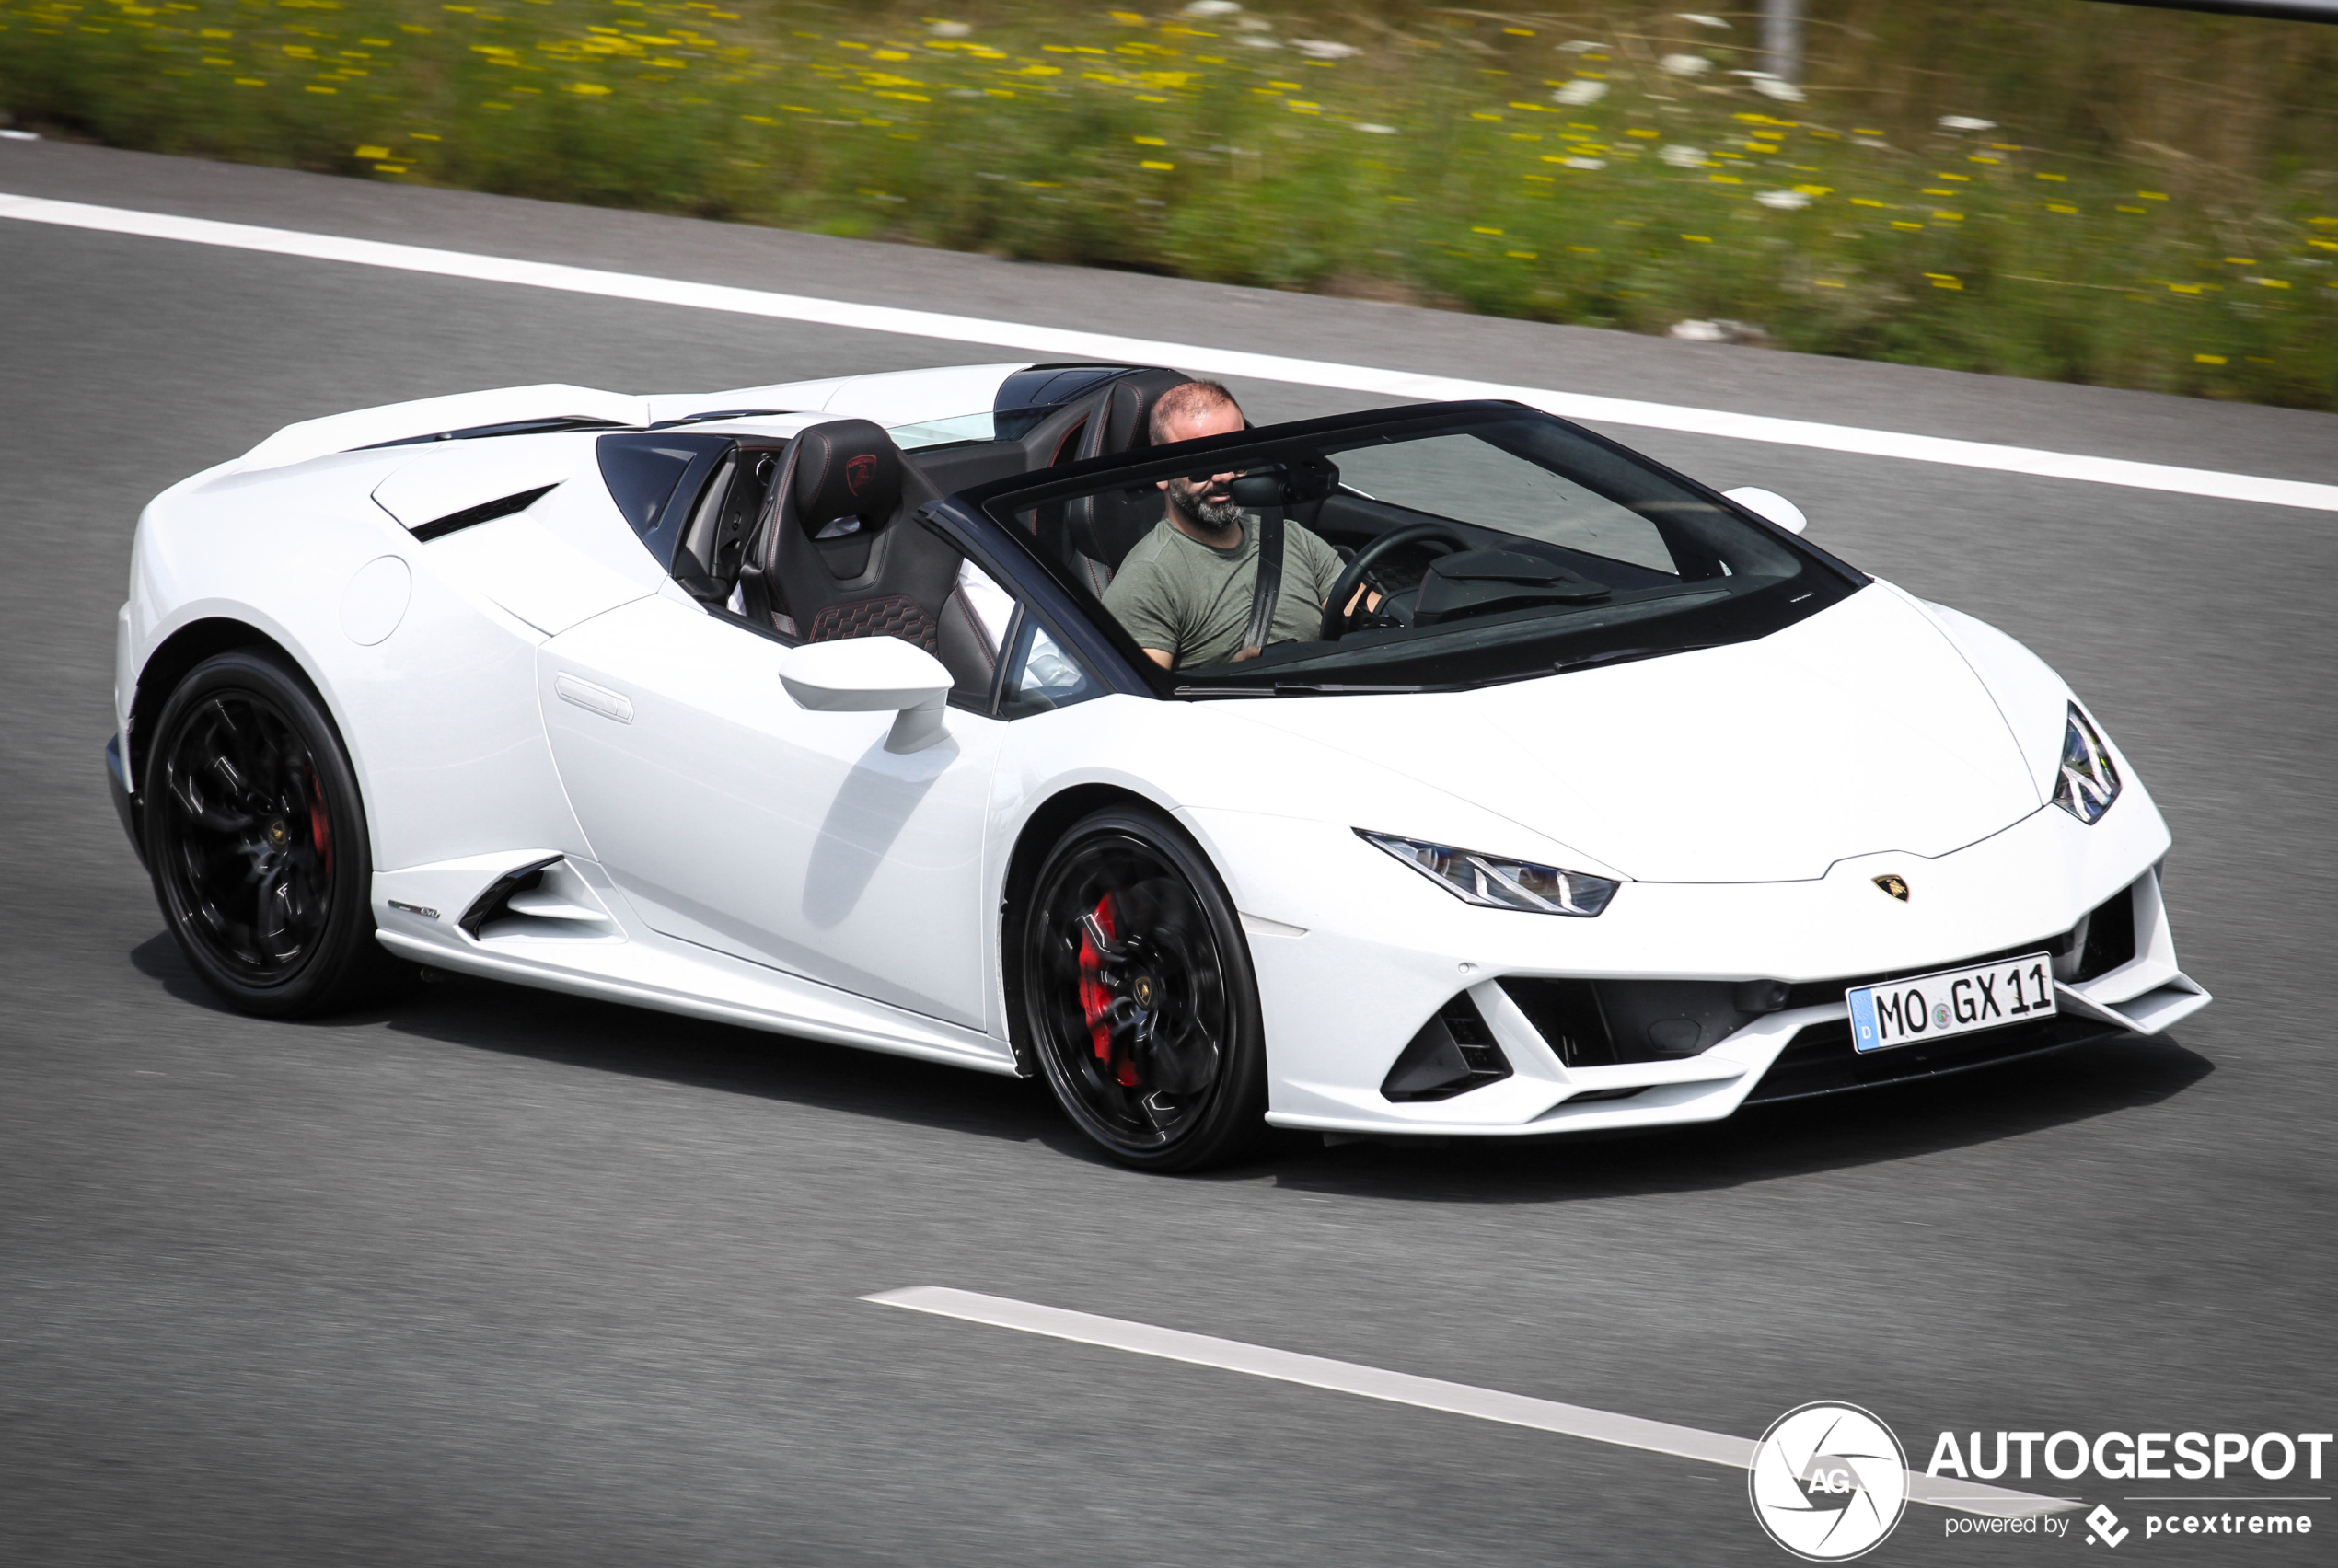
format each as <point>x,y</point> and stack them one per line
<point>257,841</point>
<point>1138,996</point>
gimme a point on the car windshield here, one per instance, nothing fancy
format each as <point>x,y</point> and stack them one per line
<point>1471,545</point>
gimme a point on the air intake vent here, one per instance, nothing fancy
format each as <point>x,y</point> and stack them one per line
<point>1593,1023</point>
<point>2107,936</point>
<point>486,511</point>
<point>546,900</point>
<point>1453,1053</point>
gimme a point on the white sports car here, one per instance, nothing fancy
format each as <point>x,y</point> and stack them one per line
<point>1613,802</point>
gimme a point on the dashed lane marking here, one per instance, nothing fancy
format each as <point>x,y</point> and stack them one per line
<point>1403,1388</point>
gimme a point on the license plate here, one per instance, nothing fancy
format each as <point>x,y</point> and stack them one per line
<point>1951,1002</point>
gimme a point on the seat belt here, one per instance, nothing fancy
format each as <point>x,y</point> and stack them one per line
<point>1269,591</point>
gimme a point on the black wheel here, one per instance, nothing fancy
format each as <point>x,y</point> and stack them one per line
<point>257,841</point>
<point>1138,998</point>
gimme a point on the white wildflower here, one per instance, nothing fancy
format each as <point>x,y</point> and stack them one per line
<point>1700,332</point>
<point>1876,142</point>
<point>1702,20</point>
<point>1213,8</point>
<point>1581,91</point>
<point>1770,85</point>
<point>1581,46</point>
<point>1685,64</point>
<point>1680,154</point>
<point>1783,201</point>
<point>1323,49</point>
<point>951,29</point>
<point>1965,122</point>
<point>1261,42</point>
<point>1367,126</point>
<point>1586,163</point>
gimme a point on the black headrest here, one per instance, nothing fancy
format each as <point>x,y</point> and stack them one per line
<point>1124,423</point>
<point>846,468</point>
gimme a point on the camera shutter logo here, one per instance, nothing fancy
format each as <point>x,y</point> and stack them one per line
<point>1829,1482</point>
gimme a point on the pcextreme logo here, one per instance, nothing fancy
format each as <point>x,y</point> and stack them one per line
<point>1829,1482</point>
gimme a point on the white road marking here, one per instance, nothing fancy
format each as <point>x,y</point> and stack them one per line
<point>1403,1388</point>
<point>1053,340</point>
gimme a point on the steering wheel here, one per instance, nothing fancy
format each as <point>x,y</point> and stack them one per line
<point>1335,608</point>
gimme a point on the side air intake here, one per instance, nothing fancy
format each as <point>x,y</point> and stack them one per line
<point>486,511</point>
<point>546,900</point>
<point>1453,1053</point>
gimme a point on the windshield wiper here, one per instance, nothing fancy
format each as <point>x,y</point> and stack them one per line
<point>1626,655</point>
<point>1358,688</point>
<point>1306,688</point>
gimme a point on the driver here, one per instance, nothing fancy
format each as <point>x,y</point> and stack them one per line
<point>1185,592</point>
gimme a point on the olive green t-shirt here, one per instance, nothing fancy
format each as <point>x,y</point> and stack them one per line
<point>1192,600</point>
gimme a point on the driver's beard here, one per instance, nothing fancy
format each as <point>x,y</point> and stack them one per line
<point>1222,515</point>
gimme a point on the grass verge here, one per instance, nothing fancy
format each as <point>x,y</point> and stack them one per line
<point>1604,166</point>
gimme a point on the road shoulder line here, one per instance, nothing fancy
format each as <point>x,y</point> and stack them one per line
<point>1035,339</point>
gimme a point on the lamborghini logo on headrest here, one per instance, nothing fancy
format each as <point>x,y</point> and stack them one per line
<point>860,472</point>
<point>1897,886</point>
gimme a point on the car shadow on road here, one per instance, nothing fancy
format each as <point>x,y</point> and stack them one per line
<point>1761,1143</point>
<point>612,1037</point>
<point>549,1026</point>
<point>1765,1142</point>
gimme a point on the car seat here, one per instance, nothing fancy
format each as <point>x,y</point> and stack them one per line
<point>1101,529</point>
<point>843,555</point>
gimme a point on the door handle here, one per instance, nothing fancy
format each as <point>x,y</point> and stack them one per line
<point>593,699</point>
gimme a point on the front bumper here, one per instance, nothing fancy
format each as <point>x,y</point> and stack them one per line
<point>1345,995</point>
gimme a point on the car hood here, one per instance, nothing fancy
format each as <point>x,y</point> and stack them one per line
<point>1859,730</point>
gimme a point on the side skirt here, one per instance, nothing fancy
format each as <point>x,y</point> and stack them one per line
<point>704,984</point>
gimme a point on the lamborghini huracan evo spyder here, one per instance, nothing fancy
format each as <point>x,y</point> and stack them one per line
<point>1609,802</point>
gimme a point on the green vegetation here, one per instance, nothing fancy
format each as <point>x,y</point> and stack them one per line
<point>2123,197</point>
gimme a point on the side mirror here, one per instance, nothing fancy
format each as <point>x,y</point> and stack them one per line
<point>1771,506</point>
<point>873,674</point>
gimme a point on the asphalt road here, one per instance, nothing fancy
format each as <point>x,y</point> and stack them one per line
<point>503,1277</point>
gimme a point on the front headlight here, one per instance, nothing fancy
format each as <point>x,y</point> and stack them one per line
<point>1498,883</point>
<point>2089,780</point>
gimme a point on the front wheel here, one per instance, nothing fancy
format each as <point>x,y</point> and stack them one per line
<point>1138,996</point>
<point>257,841</point>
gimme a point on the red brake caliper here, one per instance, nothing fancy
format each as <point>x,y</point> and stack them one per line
<point>1095,997</point>
<point>321,833</point>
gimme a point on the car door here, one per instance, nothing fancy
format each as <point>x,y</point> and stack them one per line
<point>734,819</point>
